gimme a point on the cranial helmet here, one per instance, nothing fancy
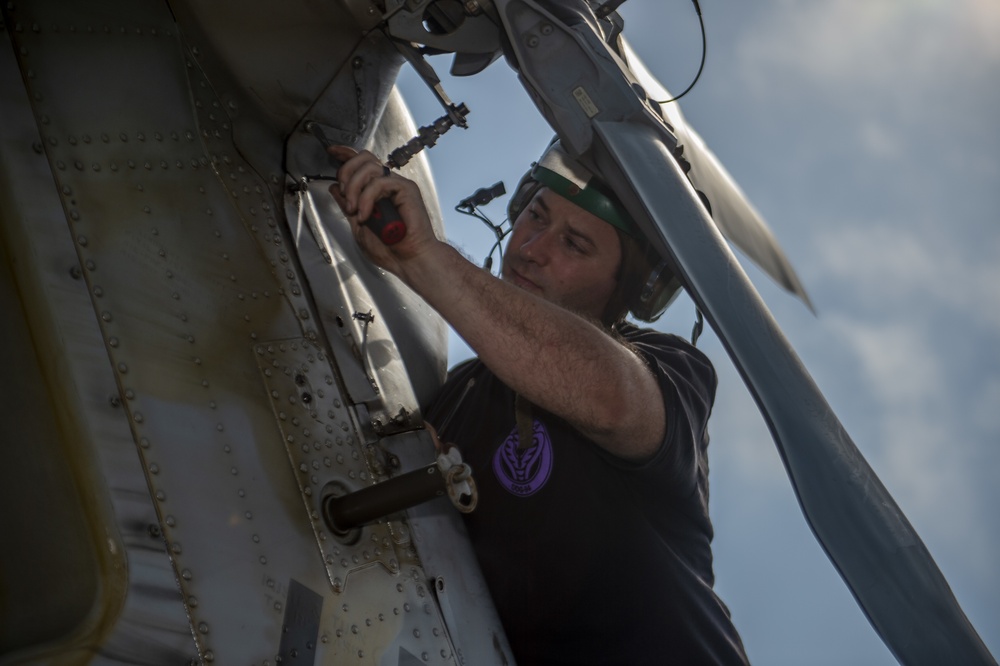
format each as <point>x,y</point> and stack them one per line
<point>645,285</point>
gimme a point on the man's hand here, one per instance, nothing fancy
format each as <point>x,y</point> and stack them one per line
<point>363,180</point>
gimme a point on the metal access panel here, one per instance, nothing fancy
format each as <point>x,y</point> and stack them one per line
<point>184,378</point>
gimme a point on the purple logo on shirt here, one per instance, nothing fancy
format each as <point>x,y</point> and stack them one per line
<point>523,472</point>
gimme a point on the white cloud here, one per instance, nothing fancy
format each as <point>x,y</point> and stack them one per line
<point>880,141</point>
<point>873,41</point>
<point>888,69</point>
<point>917,268</point>
<point>902,370</point>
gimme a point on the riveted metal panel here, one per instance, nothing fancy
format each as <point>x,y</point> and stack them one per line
<point>165,294</point>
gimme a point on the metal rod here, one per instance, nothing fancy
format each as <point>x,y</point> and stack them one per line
<point>345,512</point>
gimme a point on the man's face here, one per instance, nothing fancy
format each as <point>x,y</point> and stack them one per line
<point>564,254</point>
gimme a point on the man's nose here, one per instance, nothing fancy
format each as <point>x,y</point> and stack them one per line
<point>537,247</point>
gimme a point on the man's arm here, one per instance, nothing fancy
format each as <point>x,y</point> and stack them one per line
<point>551,356</point>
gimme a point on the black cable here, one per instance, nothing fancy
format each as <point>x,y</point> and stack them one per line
<point>701,67</point>
<point>470,209</point>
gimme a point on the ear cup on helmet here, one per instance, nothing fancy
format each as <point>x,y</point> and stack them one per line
<point>646,285</point>
<point>660,290</point>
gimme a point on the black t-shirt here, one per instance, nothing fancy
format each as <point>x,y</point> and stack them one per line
<point>592,559</point>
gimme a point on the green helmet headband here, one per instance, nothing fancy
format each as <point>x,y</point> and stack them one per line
<point>569,179</point>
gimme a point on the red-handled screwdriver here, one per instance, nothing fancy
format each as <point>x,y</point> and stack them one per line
<point>385,221</point>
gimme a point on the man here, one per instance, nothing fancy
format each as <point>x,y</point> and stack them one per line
<point>586,434</point>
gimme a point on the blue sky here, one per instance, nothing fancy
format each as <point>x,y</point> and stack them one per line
<point>866,133</point>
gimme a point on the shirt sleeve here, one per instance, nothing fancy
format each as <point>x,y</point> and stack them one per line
<point>687,383</point>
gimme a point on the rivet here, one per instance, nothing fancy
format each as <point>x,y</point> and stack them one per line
<point>144,443</point>
<point>106,316</point>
